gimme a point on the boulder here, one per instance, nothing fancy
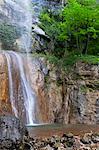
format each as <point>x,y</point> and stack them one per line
<point>38,30</point>
<point>12,133</point>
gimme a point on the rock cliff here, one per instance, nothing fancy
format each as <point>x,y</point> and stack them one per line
<point>61,97</point>
<point>71,97</point>
<point>5,106</point>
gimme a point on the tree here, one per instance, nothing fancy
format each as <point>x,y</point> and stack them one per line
<point>51,23</point>
<point>74,28</point>
<point>82,22</point>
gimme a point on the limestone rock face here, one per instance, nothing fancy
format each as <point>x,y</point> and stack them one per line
<point>5,106</point>
<point>84,94</point>
<point>61,97</point>
<point>66,97</point>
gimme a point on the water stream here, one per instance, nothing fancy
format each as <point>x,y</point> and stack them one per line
<point>18,14</point>
<point>26,91</point>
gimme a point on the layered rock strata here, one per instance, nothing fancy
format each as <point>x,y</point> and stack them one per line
<point>71,97</point>
<point>61,97</point>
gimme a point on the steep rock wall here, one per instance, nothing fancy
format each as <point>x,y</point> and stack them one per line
<point>71,97</point>
<point>5,106</point>
<point>61,97</point>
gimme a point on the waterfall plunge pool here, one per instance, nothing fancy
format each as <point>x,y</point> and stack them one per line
<point>48,130</point>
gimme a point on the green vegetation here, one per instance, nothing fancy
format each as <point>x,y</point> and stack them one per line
<point>69,60</point>
<point>66,62</point>
<point>83,89</point>
<point>8,35</point>
<point>90,59</point>
<point>74,31</point>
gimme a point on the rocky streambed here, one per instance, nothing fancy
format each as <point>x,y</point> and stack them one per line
<point>63,137</point>
<point>15,136</point>
<point>89,141</point>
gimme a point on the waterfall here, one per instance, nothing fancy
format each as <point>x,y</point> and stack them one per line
<point>27,92</point>
<point>17,13</point>
<point>18,19</point>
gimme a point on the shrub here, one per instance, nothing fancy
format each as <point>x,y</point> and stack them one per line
<point>8,35</point>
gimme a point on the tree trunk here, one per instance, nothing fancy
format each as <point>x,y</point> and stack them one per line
<point>78,44</point>
<point>84,51</point>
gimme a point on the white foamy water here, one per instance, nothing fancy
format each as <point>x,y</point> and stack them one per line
<point>18,14</point>
<point>27,92</point>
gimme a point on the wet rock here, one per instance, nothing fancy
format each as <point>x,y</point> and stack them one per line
<point>40,41</point>
<point>12,132</point>
<point>74,100</point>
<point>38,30</point>
<point>5,105</point>
<point>47,148</point>
<point>95,138</point>
<point>68,140</point>
<point>57,145</point>
<point>69,135</point>
<point>86,139</point>
<point>73,143</point>
<point>51,142</point>
<point>27,146</point>
<point>65,102</point>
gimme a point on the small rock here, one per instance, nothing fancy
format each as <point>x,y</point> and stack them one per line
<point>70,135</point>
<point>47,148</point>
<point>95,138</point>
<point>86,139</point>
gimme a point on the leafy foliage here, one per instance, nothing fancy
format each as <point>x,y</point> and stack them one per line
<point>8,35</point>
<point>75,28</point>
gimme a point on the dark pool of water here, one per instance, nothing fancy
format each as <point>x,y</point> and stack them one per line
<point>47,130</point>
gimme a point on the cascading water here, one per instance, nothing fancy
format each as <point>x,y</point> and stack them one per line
<point>16,61</point>
<point>27,93</point>
<point>18,15</point>
<point>16,18</point>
